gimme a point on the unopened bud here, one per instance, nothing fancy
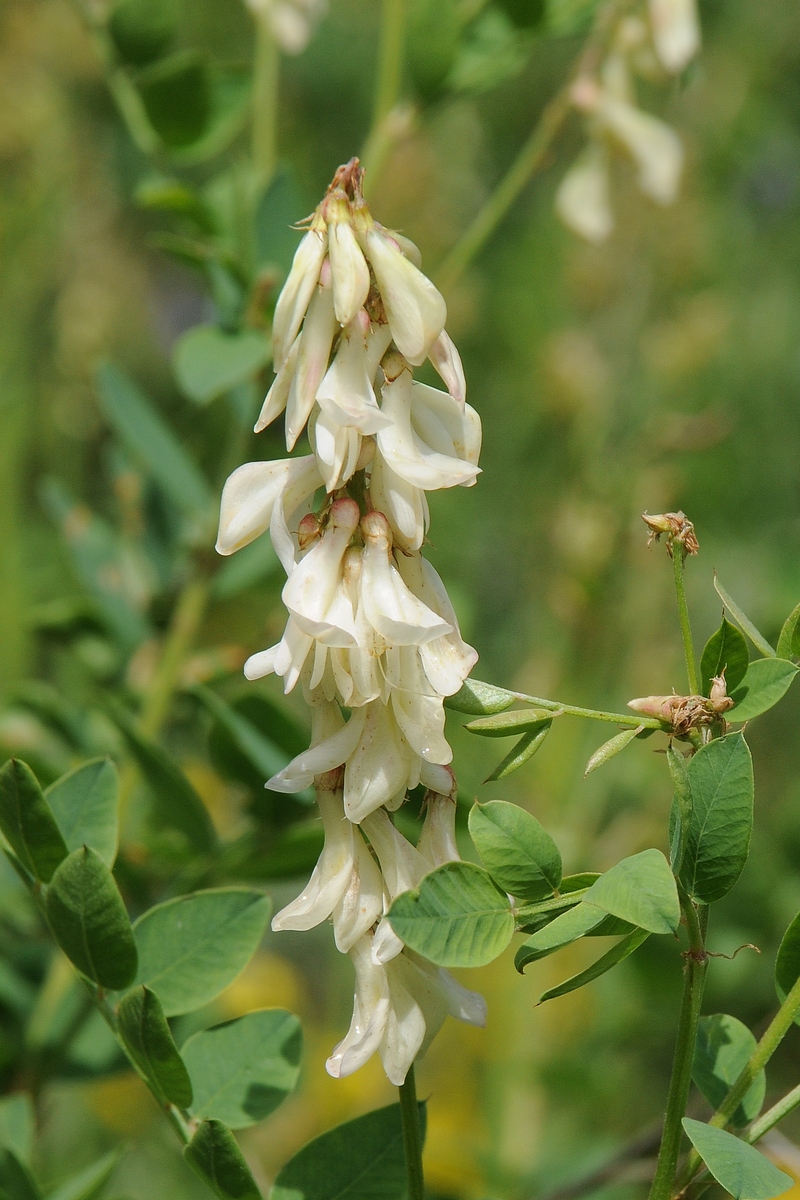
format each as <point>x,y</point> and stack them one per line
<point>344,514</point>
<point>719,700</point>
<point>375,527</point>
<point>677,527</point>
<point>654,706</point>
<point>393,365</point>
<point>308,530</point>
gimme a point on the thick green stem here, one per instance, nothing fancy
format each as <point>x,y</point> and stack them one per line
<point>266,77</point>
<point>388,83</point>
<point>412,1136</point>
<point>693,983</point>
<point>778,1028</point>
<point>683,613</point>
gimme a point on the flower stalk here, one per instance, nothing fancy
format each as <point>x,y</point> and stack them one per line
<point>412,1137</point>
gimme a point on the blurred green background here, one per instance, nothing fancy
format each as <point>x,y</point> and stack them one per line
<point>658,371</point>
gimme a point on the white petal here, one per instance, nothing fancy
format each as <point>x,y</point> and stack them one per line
<point>371,1005</point>
<point>278,394</point>
<point>303,480</point>
<point>349,269</point>
<point>403,504</point>
<point>391,609</point>
<point>583,198</point>
<point>676,32</point>
<point>336,447</point>
<point>331,875</point>
<point>330,753</point>
<point>655,147</point>
<point>248,498</point>
<point>402,864</point>
<point>314,585</point>
<point>312,362</point>
<point>297,292</point>
<point>416,311</point>
<point>346,392</point>
<point>405,1032</point>
<point>406,453</point>
<point>379,764</point>
<point>362,901</point>
<point>436,777</point>
<point>291,654</point>
<point>421,720</point>
<point>386,945</point>
<point>447,660</point>
<point>437,842</point>
<point>261,664</point>
<point>447,361</point>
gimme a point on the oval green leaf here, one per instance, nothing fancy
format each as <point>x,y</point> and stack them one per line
<point>611,748</point>
<point>722,1050</point>
<point>767,681</point>
<point>89,920</point>
<point>144,1030</point>
<point>458,917</point>
<point>758,639</point>
<point>740,1169</point>
<point>359,1160</point>
<point>568,927</point>
<point>84,804</point>
<point>516,850</point>
<point>615,955</point>
<point>726,651</point>
<point>641,890</point>
<point>525,748</point>
<point>242,1070</point>
<point>718,837</point>
<point>480,699</point>
<point>787,964</point>
<point>214,1155</point>
<point>89,1183</point>
<point>789,640</point>
<point>191,948</point>
<point>506,724</point>
<point>209,361</point>
<point>27,822</point>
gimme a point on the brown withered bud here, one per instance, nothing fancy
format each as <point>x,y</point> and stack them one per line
<point>684,713</point>
<point>719,700</point>
<point>308,530</point>
<point>677,527</point>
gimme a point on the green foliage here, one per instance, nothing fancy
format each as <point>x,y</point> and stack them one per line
<point>479,699</point>
<point>725,652</point>
<point>84,804</point>
<point>89,920</point>
<point>787,963</point>
<point>767,681</point>
<point>718,837</point>
<point>242,1070</point>
<point>191,948</point>
<point>359,1160</point>
<point>527,14</point>
<point>27,822</point>
<point>493,51</point>
<point>16,1180</point>
<point>516,850</point>
<point>567,927</point>
<point>568,17</point>
<point>758,639</point>
<point>624,947</point>
<point>611,749</point>
<point>142,29</point>
<point>276,213</point>
<point>723,1048</point>
<point>789,640</point>
<point>641,890</point>
<point>209,361</point>
<point>176,93</point>
<point>17,1120</point>
<point>89,1183</point>
<point>680,815</point>
<point>144,1030</point>
<point>458,917</point>
<point>739,1168</point>
<point>214,1154</point>
<point>262,755</point>
<point>505,724</point>
<point>434,31</point>
<point>525,748</point>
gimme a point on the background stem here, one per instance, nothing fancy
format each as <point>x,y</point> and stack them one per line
<point>388,83</point>
<point>266,76</point>
<point>683,614</point>
<point>693,983</point>
<point>412,1136</point>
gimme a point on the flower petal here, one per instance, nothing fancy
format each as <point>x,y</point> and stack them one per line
<point>416,311</point>
<point>297,292</point>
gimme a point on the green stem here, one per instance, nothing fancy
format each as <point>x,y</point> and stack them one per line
<point>266,77</point>
<point>186,620</point>
<point>773,1115</point>
<point>683,613</point>
<point>387,87</point>
<point>412,1136</point>
<point>776,1031</point>
<point>693,982</point>
<point>592,714</point>
<point>533,152</point>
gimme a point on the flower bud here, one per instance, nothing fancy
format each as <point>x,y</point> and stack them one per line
<point>676,32</point>
<point>348,266</point>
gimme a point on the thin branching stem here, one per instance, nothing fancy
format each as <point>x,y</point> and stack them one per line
<point>412,1136</point>
<point>591,714</point>
<point>768,1120</point>
<point>388,84</point>
<point>683,614</point>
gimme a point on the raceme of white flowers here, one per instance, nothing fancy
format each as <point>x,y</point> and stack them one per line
<point>370,626</point>
<point>665,42</point>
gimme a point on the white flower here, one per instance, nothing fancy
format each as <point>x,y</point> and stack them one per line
<point>404,505</point>
<point>297,291</point>
<point>415,310</point>
<point>252,493</point>
<point>392,610</point>
<point>437,842</point>
<point>655,148</point>
<point>447,660</point>
<point>331,876</point>
<point>313,593</point>
<point>447,361</point>
<point>346,394</point>
<point>361,903</point>
<point>582,200</point>
<point>348,266</point>
<point>676,32</point>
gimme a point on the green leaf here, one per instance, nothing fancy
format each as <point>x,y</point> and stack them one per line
<point>723,1048</point>
<point>27,822</point>
<point>192,947</point>
<point>84,804</point>
<point>89,920</point>
<point>726,651</point>
<point>680,815</point>
<point>480,699</point>
<point>16,1181</point>
<point>149,439</point>
<point>142,30</point>
<point>531,917</point>
<point>99,563</point>
<point>568,17</point>
<point>208,361</point>
<point>568,927</point>
<point>767,681</point>
<point>458,917</point>
<point>505,724</point>
<point>242,1070</point>
<point>789,640</point>
<point>144,1030</point>
<point>641,890</point>
<point>434,29</point>
<point>177,804</point>
<point>516,850</point>
<point>758,639</point>
<point>359,1160</point>
<point>17,1121</point>
<point>527,14</point>
<point>214,1155</point>
<point>718,837</point>
<point>276,213</point>
<point>247,568</point>
<point>230,90</point>
<point>494,51</point>
<point>787,964</point>
<point>89,1183</point>
<point>525,748</point>
<point>740,1169</point>
<point>175,197</point>
<point>176,93</point>
<point>615,955</point>
<point>260,751</point>
<point>611,748</point>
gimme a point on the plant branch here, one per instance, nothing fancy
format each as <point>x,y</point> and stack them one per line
<point>389,78</point>
<point>533,153</point>
<point>678,558</point>
<point>412,1136</point>
<point>592,714</point>
<point>768,1120</point>
<point>693,983</point>
<point>266,81</point>
<point>186,620</point>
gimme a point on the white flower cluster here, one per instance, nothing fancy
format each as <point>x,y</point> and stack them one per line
<point>665,42</point>
<point>370,625</point>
